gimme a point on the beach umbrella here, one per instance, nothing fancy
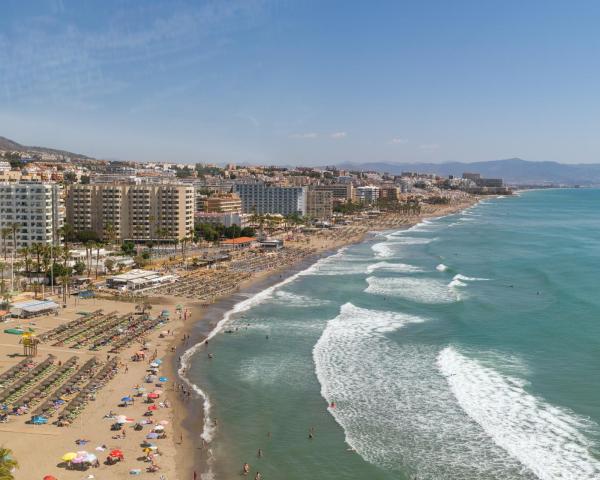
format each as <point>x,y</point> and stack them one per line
<point>152,407</point>
<point>127,399</point>
<point>152,435</point>
<point>155,364</point>
<point>91,458</point>
<point>153,395</point>
<point>163,379</point>
<point>49,477</point>
<point>78,460</point>
<point>158,361</point>
<point>159,428</point>
<point>116,453</point>
<point>69,456</point>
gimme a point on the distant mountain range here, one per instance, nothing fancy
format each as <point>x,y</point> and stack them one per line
<point>7,144</point>
<point>514,171</point>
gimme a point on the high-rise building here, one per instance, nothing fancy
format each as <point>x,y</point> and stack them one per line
<point>132,212</point>
<point>35,210</point>
<point>341,192</point>
<point>368,194</point>
<point>319,204</point>
<point>260,198</point>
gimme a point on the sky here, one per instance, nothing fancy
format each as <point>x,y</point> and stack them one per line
<point>303,82</point>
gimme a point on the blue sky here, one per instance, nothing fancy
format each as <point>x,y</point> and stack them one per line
<point>303,82</point>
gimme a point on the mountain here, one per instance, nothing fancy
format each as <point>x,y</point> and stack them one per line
<point>11,145</point>
<point>514,171</point>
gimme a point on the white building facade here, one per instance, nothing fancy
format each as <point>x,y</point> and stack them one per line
<point>36,209</point>
<point>260,198</point>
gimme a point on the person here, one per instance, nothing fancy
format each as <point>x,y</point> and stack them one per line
<point>258,476</point>
<point>245,469</point>
<point>259,453</point>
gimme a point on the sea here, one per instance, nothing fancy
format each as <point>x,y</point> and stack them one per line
<point>465,347</point>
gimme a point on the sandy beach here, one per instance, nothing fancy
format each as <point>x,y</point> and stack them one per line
<point>182,452</point>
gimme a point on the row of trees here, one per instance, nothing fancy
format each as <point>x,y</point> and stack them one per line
<point>214,232</point>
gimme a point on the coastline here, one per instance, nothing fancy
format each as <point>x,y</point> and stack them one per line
<point>192,421</point>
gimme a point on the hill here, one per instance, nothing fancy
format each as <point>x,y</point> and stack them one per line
<point>514,171</point>
<point>7,144</point>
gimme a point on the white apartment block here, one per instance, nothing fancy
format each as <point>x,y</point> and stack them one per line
<point>368,194</point>
<point>260,198</point>
<point>35,208</point>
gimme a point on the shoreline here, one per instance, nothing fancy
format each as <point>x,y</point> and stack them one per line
<point>192,417</point>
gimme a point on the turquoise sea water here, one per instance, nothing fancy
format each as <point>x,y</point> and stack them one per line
<point>467,347</point>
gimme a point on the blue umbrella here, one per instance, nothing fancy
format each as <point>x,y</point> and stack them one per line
<point>37,420</point>
<point>159,361</point>
<point>163,379</point>
<point>152,435</point>
<point>127,399</point>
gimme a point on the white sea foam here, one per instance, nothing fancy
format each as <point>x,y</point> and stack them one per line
<point>441,267</point>
<point>421,290</point>
<point>382,250</point>
<point>393,267</point>
<point>396,410</point>
<point>547,439</point>
<point>340,263</point>
<point>289,299</point>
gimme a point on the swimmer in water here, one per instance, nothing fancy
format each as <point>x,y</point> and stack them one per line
<point>245,469</point>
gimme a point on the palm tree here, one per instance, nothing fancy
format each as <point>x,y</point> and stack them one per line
<point>66,231</point>
<point>14,228</point>
<point>2,268</point>
<point>98,246</point>
<point>7,464</point>
<point>110,233</point>
<point>89,246</point>
<point>5,233</point>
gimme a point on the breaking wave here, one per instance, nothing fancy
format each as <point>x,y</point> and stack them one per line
<point>420,290</point>
<point>546,439</point>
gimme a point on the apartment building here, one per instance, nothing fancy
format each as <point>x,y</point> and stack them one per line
<point>368,194</point>
<point>261,198</point>
<point>36,209</point>
<point>223,203</point>
<point>341,192</point>
<point>319,204</point>
<point>132,212</point>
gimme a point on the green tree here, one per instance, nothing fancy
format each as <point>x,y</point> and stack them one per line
<point>5,233</point>
<point>7,464</point>
<point>128,248</point>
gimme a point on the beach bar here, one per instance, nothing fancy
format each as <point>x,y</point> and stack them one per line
<point>138,280</point>
<point>32,308</point>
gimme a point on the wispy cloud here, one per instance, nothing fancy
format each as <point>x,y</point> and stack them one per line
<point>304,135</point>
<point>338,135</point>
<point>398,141</point>
<point>51,58</point>
<point>429,146</point>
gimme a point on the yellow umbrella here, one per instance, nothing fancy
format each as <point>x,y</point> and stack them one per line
<point>67,457</point>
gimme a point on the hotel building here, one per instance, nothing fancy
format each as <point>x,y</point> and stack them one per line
<point>35,208</point>
<point>132,212</point>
